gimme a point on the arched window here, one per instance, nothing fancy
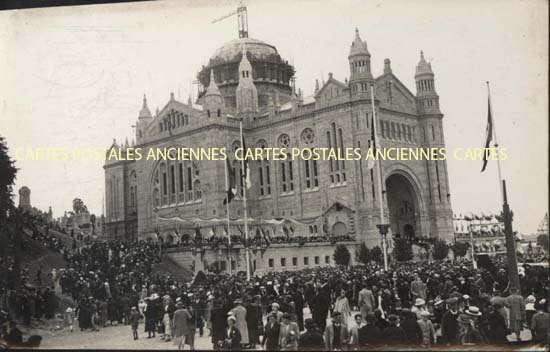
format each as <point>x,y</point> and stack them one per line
<point>286,169</point>
<point>335,142</point>
<point>311,171</point>
<point>163,184</point>
<point>264,171</point>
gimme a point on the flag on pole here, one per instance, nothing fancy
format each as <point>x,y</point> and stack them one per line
<point>246,167</point>
<point>488,134</point>
<point>370,161</point>
<point>231,183</point>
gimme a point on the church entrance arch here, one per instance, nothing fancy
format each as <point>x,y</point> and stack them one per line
<point>403,205</point>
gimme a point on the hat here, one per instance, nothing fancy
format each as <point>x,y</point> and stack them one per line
<point>134,308</point>
<point>179,304</point>
<point>210,297</point>
<point>231,317</point>
<point>542,301</point>
<point>392,317</point>
<point>286,316</point>
<point>238,301</point>
<point>69,310</point>
<point>474,311</point>
<point>419,302</point>
<point>178,299</point>
<point>336,314</point>
<point>439,301</point>
<point>531,299</point>
<point>451,300</point>
<point>465,297</point>
<point>275,304</point>
<point>154,296</point>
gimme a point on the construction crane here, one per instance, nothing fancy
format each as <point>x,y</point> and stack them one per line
<point>242,19</point>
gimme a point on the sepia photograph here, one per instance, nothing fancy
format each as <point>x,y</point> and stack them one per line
<point>313,175</point>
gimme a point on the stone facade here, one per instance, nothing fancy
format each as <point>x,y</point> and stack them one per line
<point>324,197</point>
<point>275,258</point>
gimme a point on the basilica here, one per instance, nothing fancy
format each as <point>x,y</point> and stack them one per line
<point>248,80</point>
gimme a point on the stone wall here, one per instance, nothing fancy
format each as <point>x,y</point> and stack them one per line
<point>277,257</point>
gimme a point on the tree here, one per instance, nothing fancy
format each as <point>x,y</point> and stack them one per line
<point>440,250</point>
<point>376,255</point>
<point>341,255</point>
<point>8,172</point>
<point>542,240</point>
<point>402,250</point>
<point>460,248</point>
<point>362,254</point>
<point>78,206</point>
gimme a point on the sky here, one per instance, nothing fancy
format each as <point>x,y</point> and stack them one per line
<point>75,77</point>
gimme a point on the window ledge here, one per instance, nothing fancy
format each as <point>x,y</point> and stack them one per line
<point>286,194</point>
<point>310,190</point>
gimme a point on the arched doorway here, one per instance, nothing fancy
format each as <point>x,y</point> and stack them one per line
<point>403,206</point>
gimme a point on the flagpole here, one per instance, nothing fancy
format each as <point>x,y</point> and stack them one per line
<point>496,142</point>
<point>247,253</point>
<point>383,227</point>
<point>227,211</point>
<point>507,215</point>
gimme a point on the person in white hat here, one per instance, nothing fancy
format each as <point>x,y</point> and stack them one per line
<point>530,307</point>
<point>427,328</point>
<point>69,318</point>
<point>233,340</point>
<point>275,311</point>
<point>419,307</point>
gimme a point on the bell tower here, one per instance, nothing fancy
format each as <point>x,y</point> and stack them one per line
<point>359,64</point>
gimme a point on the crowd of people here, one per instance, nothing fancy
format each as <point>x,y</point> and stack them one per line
<point>414,304</point>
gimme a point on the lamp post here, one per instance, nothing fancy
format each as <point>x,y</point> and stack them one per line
<point>383,228</point>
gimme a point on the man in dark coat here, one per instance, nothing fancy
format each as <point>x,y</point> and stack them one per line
<point>254,321</point>
<point>449,323</point>
<point>311,339</point>
<point>369,334</point>
<point>298,299</point>
<point>219,323</point>
<point>393,334</point>
<point>320,307</point>
<point>497,326</point>
<point>270,338</point>
<point>413,333</point>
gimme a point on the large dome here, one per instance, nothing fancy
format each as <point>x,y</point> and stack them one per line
<point>232,50</point>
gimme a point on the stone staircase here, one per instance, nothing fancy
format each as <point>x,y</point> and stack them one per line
<point>172,266</point>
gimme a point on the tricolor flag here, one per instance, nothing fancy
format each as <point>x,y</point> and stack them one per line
<point>372,146</point>
<point>231,183</point>
<point>488,135</point>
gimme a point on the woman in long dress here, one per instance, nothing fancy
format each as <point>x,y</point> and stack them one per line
<point>167,322</point>
<point>342,305</point>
